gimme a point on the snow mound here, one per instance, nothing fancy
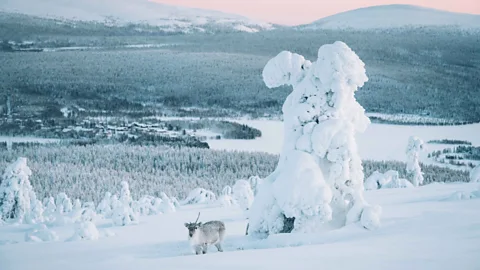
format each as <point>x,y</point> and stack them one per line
<point>462,195</point>
<point>85,230</point>
<point>41,234</point>
<point>199,196</point>
<point>389,179</point>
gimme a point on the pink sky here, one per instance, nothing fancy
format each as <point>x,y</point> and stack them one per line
<point>293,12</point>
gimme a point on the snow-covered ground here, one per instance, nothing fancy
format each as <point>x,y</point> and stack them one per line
<point>378,142</point>
<point>422,228</point>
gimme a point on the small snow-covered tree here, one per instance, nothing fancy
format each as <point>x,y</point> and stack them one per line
<point>318,182</point>
<point>255,181</point>
<point>77,205</point>
<point>125,196</point>
<point>63,203</point>
<point>167,204</point>
<point>16,192</point>
<point>243,194</point>
<point>475,174</point>
<point>414,172</point>
<point>123,215</point>
<point>36,214</point>
<point>199,196</point>
<point>226,198</point>
<point>104,208</point>
<point>85,229</point>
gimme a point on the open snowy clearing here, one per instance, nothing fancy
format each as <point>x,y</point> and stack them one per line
<point>422,228</point>
<point>379,142</point>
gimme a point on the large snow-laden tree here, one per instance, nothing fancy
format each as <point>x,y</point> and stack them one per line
<point>318,182</point>
<point>17,197</point>
<point>414,172</point>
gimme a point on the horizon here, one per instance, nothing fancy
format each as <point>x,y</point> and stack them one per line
<point>306,11</point>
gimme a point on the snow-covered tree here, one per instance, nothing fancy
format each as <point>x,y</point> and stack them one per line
<point>85,229</point>
<point>199,196</point>
<point>36,214</point>
<point>77,205</point>
<point>104,208</point>
<point>255,181</point>
<point>226,198</point>
<point>414,172</point>
<point>63,203</point>
<point>318,182</point>
<point>475,174</point>
<point>390,179</point>
<point>123,215</point>
<point>167,204</point>
<point>16,192</point>
<point>125,196</point>
<point>243,194</point>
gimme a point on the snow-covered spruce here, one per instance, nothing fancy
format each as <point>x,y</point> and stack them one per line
<point>318,182</point>
<point>123,215</point>
<point>125,196</point>
<point>475,174</point>
<point>104,208</point>
<point>255,181</point>
<point>226,199</point>
<point>414,172</point>
<point>85,229</point>
<point>63,203</point>
<point>16,193</point>
<point>243,194</point>
<point>167,204</point>
<point>199,196</point>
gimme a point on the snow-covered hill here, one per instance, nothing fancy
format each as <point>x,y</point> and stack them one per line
<point>121,12</point>
<point>395,16</point>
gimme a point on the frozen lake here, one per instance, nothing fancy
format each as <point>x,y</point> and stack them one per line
<point>378,142</point>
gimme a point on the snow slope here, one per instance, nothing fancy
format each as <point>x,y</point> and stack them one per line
<point>395,16</point>
<point>424,228</point>
<point>120,12</point>
<point>378,142</point>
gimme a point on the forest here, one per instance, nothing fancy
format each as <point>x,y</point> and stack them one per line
<point>430,72</point>
<point>89,171</point>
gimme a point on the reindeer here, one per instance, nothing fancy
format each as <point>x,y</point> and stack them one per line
<point>209,233</point>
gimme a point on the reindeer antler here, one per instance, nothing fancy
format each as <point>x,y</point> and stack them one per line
<point>197,217</point>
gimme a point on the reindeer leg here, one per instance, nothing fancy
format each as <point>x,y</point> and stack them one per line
<point>219,247</point>
<point>198,249</point>
<point>205,248</point>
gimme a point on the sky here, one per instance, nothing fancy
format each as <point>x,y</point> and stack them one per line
<point>294,12</point>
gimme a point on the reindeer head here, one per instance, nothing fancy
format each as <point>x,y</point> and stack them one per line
<point>193,226</point>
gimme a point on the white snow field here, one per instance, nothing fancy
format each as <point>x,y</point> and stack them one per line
<point>379,141</point>
<point>429,227</point>
<point>395,16</point>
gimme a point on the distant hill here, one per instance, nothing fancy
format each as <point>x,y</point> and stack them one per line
<point>395,16</point>
<point>142,13</point>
